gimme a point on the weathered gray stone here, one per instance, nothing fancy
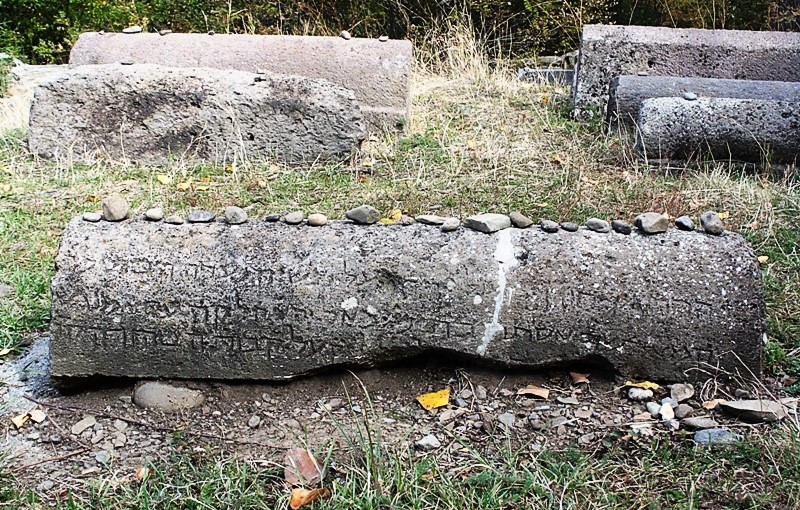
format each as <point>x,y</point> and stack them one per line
<point>598,225</point>
<point>570,226</point>
<point>430,219</point>
<point>294,218</point>
<point>174,219</point>
<point>628,92</point>
<point>235,215</point>
<point>608,51</point>
<point>450,224</point>
<point>680,392</point>
<point>549,226</point>
<point>714,436</point>
<point>378,73</point>
<point>712,223</point>
<point>200,216</point>
<point>755,410</point>
<point>150,114</point>
<point>488,222</point>
<point>547,76</point>
<point>115,208</point>
<point>684,223</point>
<point>363,215</point>
<point>272,217</point>
<point>154,214</point>
<point>519,220</point>
<point>652,222</point>
<point>166,397</point>
<point>740,129</point>
<point>270,301</point>
<point>699,422</point>
<point>92,217</point>
<point>621,227</point>
<point>317,220</point>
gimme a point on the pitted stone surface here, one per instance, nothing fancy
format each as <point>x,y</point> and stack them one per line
<point>738,129</point>
<point>628,92</point>
<point>378,73</point>
<point>151,114</point>
<point>608,51</point>
<point>270,301</point>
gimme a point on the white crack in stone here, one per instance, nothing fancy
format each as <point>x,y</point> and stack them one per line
<point>504,255</point>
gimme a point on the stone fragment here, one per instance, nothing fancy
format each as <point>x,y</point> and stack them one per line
<point>383,38</point>
<point>92,217</point>
<point>135,29</point>
<point>344,34</point>
<point>699,422</point>
<point>715,436</point>
<point>87,422</point>
<point>749,130</point>
<point>317,220</point>
<point>653,408</point>
<point>683,411</point>
<point>103,456</point>
<point>450,224</point>
<point>154,214</point>
<point>519,220</point>
<point>488,222</point>
<point>507,419</point>
<point>430,219</point>
<point>200,216</point>
<point>115,208</point>
<point>166,397</point>
<point>689,96</point>
<point>238,274</point>
<point>235,215</point>
<point>667,412</point>
<point>407,220</point>
<point>652,223</point>
<point>681,392</point>
<point>756,411</point>
<point>429,443</point>
<point>272,217</point>
<point>568,400</point>
<point>363,215</point>
<point>549,226</point>
<point>149,114</point>
<point>174,219</point>
<point>570,227</point>
<point>684,223</point>
<point>294,218</point>
<point>480,392</point>
<point>254,421</point>
<point>598,225</point>
<point>377,72</point>
<point>165,31</point>
<point>639,393</point>
<point>621,227</point>
<point>712,223</point>
<point>609,51</point>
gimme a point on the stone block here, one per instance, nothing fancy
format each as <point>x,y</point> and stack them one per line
<point>547,76</point>
<point>272,301</point>
<point>608,51</point>
<point>750,130</point>
<point>628,92</point>
<point>377,72</point>
<point>151,114</point>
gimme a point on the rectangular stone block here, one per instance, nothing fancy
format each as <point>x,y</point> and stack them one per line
<point>608,51</point>
<point>378,72</point>
<point>272,301</point>
<point>627,93</point>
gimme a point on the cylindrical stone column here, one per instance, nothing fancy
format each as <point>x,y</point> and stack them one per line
<point>272,301</point>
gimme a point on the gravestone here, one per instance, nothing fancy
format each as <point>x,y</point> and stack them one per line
<point>378,72</point>
<point>151,114</point>
<point>266,300</point>
<point>608,51</point>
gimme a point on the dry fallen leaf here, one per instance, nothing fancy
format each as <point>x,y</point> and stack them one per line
<point>532,390</point>
<point>164,179</point>
<point>763,259</point>
<point>183,186</point>
<point>471,145</point>
<point>724,215</point>
<point>301,468</point>
<point>368,163</point>
<point>5,187</point>
<point>645,385</point>
<point>37,415</point>
<point>301,497</point>
<point>93,198</point>
<point>386,221</point>
<point>712,404</point>
<point>396,215</point>
<point>142,473</point>
<point>579,378</point>
<point>5,351</point>
<point>20,420</point>
<point>436,399</point>
<point>261,183</point>
<point>202,187</point>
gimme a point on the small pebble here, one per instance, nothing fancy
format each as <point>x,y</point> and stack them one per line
<point>235,215</point>
<point>317,220</point>
<point>711,437</point>
<point>570,227</point>
<point>211,32</point>
<point>383,38</point>
<point>681,392</point>
<point>429,442</point>
<point>294,218</point>
<point>154,214</point>
<point>164,32</point>
<point>639,394</point>
<point>689,96</point>
<point>92,217</point>
<point>711,223</point>
<point>174,220</point>
<point>407,220</point>
<point>201,216</point>
<point>683,411</point>
<point>621,227</point>
<point>115,208</point>
<point>549,226</point>
<point>519,220</point>
<point>652,222</point>
<point>653,408</point>
<point>363,215</point>
<point>102,457</point>
<point>450,225</point>
<point>272,218</point>
<point>254,421</point>
<point>507,419</point>
<point>126,62</point>
<point>701,422</point>
<point>598,225</point>
<point>642,73</point>
<point>135,29</point>
<point>684,223</point>
<point>345,35</point>
<point>430,219</point>
<point>667,412</point>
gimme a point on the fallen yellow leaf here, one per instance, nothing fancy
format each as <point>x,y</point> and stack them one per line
<point>386,221</point>
<point>471,145</point>
<point>645,385</point>
<point>205,179</point>
<point>724,215</point>
<point>396,215</point>
<point>164,179</point>
<point>20,420</point>
<point>93,198</point>
<point>202,187</point>
<point>434,400</point>
<point>230,168</point>
<point>763,259</point>
<point>261,183</point>
<point>141,473</point>
<point>368,163</point>
<point>302,497</point>
<point>183,186</point>
<point>534,391</point>
<point>5,187</point>
<point>274,168</point>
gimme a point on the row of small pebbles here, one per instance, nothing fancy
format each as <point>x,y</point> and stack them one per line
<point>116,208</point>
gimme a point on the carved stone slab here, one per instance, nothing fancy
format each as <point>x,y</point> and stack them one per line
<point>378,72</point>
<point>151,114</point>
<point>608,51</point>
<point>272,301</point>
